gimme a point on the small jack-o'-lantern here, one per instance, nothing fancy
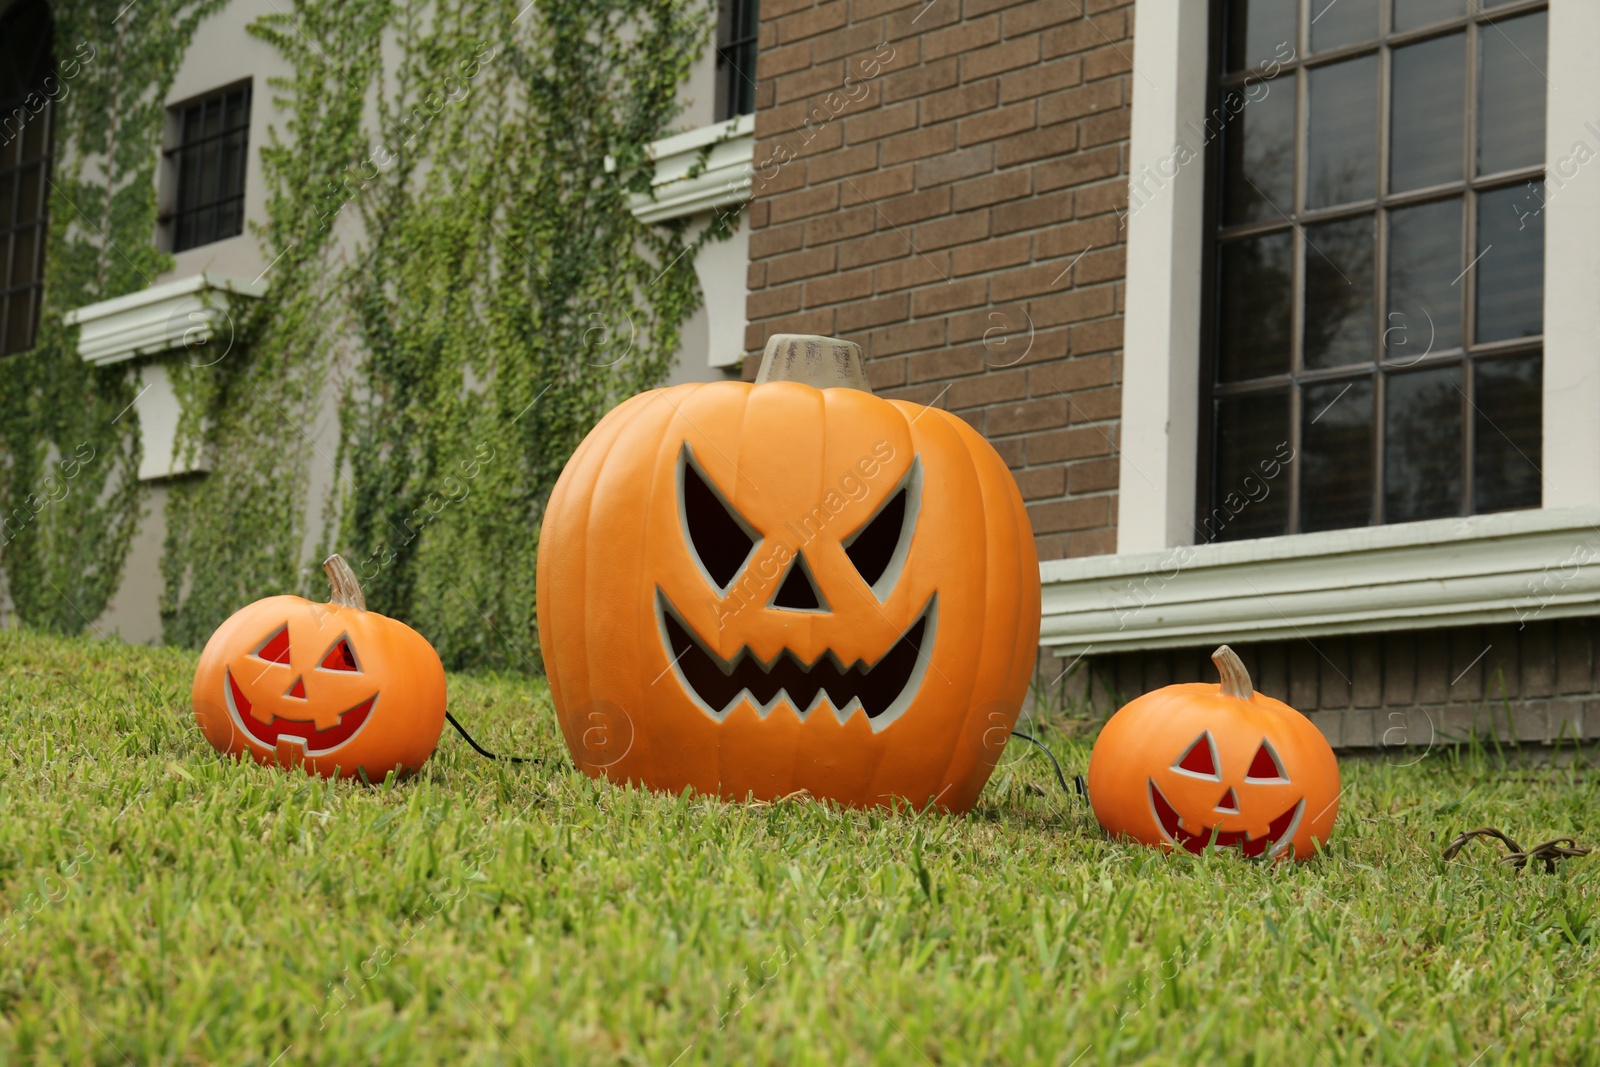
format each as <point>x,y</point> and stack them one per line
<point>1194,765</point>
<point>335,687</point>
<point>752,589</point>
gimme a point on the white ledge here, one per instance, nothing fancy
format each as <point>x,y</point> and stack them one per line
<point>178,314</point>
<point>684,185</point>
<point>1511,567</point>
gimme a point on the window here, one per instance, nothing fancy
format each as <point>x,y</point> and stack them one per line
<point>1375,277</point>
<point>736,57</point>
<point>27,89</point>
<point>212,134</point>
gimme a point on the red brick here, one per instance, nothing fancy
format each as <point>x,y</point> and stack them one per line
<point>772,10</point>
<point>818,322</point>
<point>911,337</point>
<point>961,101</point>
<point>865,314</point>
<point>1058,515</point>
<point>775,62</point>
<point>837,288</point>
<point>874,125</point>
<point>1036,482</point>
<point>1100,336</point>
<point>840,225</point>
<point>992,189</point>
<point>938,299</point>
<point>914,269</point>
<point>1104,62</point>
<point>1029,281</point>
<point>861,37</point>
<point>902,211</point>
<point>1037,144</point>
<point>1050,546</point>
<point>954,230</point>
<point>987,62</point>
<point>966,37</point>
<point>1072,238</point>
<point>844,161</point>
<point>990,255</point>
<point>993,386</point>
<point>1105,128</point>
<point>878,185</point>
<point>807,264</point>
<point>920,81</point>
<point>945,363</point>
<point>1092,476</point>
<point>770,302</point>
<point>814,80</point>
<point>1076,103</point>
<point>918,144</point>
<point>1078,37</point>
<point>953,166</point>
<point>1073,306</point>
<point>1010,450</point>
<point>1100,199</point>
<point>1037,16</point>
<point>807,203</point>
<point>1096,405</point>
<point>868,8</point>
<point>993,125</point>
<point>1076,443</point>
<point>926,16</point>
<point>874,249</point>
<point>974,8</point>
<point>1079,168</point>
<point>1033,213</point>
<point>1036,81</point>
<point>886,373</point>
<point>1069,375</point>
<point>756,277</point>
<point>776,240</point>
<point>1049,413</point>
<point>812,21</point>
<point>1092,543</point>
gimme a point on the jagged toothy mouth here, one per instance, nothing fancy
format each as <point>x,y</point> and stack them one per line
<point>881,690</point>
<point>1280,832</point>
<point>302,732</point>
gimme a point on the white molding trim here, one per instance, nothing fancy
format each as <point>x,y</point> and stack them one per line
<point>1510,567</point>
<point>724,179</point>
<point>1166,239</point>
<point>180,314</point>
<point>1572,257</point>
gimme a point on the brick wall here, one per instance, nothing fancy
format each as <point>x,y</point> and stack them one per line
<point>1539,683</point>
<point>939,182</point>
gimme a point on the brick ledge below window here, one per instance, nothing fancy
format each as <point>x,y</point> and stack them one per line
<point>1513,566</point>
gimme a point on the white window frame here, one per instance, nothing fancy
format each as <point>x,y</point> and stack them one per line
<point>1166,243</point>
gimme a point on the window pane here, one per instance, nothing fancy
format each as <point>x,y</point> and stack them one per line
<point>1339,315</point>
<point>1343,146</point>
<point>1250,496</point>
<point>30,194</point>
<point>1505,467</point>
<point>1422,445</point>
<point>1259,30</point>
<point>1511,94</point>
<point>1409,14</point>
<point>35,134</point>
<point>1424,259</point>
<point>1254,324</point>
<point>23,254</point>
<point>1429,113</point>
<point>1258,151</point>
<point>1335,23</point>
<point>1336,455</point>
<point>1509,278</point>
<point>8,185</point>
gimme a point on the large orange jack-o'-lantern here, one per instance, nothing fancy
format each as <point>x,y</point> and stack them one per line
<point>335,687</point>
<point>756,589</point>
<point>1196,764</point>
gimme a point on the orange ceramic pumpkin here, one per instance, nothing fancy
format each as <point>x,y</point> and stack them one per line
<point>752,589</point>
<point>1197,764</point>
<point>332,686</point>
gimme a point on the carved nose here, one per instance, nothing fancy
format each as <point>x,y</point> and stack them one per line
<point>798,590</point>
<point>298,689</point>
<point>1229,804</point>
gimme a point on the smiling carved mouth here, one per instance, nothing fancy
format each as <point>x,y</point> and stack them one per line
<point>1279,833</point>
<point>295,731</point>
<point>882,690</point>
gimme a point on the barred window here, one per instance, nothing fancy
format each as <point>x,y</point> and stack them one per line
<point>208,161</point>
<point>28,89</point>
<point>1376,270</point>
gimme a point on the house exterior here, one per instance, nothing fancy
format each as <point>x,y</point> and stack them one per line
<point>1282,312</point>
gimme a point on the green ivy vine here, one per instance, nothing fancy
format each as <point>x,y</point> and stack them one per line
<point>499,298</point>
<point>69,448</point>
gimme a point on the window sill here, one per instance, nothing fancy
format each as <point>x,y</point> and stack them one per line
<point>723,178</point>
<point>188,319</point>
<point>1510,567</point>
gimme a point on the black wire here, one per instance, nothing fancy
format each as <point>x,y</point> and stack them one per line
<point>1060,776</point>
<point>480,750</point>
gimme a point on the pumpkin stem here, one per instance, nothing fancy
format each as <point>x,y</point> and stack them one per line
<point>344,584</point>
<point>822,362</point>
<point>1235,679</point>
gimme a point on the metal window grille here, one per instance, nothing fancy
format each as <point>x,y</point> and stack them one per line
<point>209,158</point>
<point>736,57</point>
<point>26,104</point>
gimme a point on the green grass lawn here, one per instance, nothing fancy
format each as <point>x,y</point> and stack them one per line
<point>161,905</point>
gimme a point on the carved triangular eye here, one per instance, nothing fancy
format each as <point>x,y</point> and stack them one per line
<point>798,591</point>
<point>1266,766</point>
<point>275,649</point>
<point>718,537</point>
<point>1200,759</point>
<point>340,657</point>
<point>878,549</point>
